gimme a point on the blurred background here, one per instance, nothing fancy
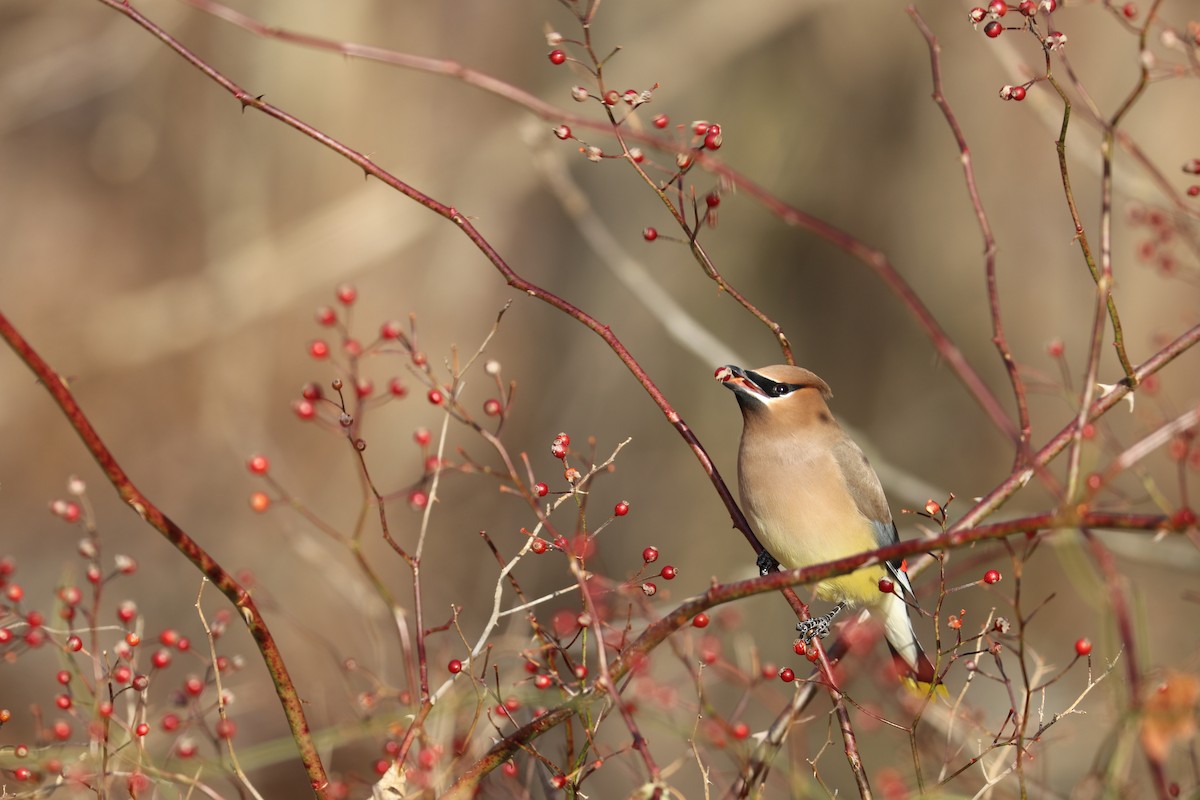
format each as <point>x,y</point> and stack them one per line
<point>166,251</point>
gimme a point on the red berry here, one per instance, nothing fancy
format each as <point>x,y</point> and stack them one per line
<point>1055,348</point>
<point>713,139</point>
<point>977,14</point>
<point>1193,191</point>
<point>422,436</point>
<point>611,97</point>
<point>417,500</point>
<point>258,465</point>
<point>1018,93</point>
<point>492,407</point>
<point>538,546</point>
<point>993,29</point>
<point>259,502</point>
<point>1129,10</point>
<point>142,729</point>
<point>886,586</point>
<point>161,659</point>
<point>1027,7</point>
<point>786,675</point>
<point>650,234</point>
<point>997,8</point>
<point>559,781</point>
<point>541,489</point>
<point>63,701</point>
<point>580,671</point>
<point>562,132</point>
<point>326,316</point>
<point>712,200</point>
<point>650,555</point>
<point>699,127</point>
<point>347,294</point>
<point>436,397</point>
<point>304,409</point>
<point>741,730</point>
<point>558,449</point>
<point>455,666</point>
<point>74,644</point>
<point>668,573</point>
<point>1083,646</point>
<point>649,589</point>
<point>621,509</point>
<point>700,620</point>
<point>557,57</point>
<point>991,576</point>
<point>662,121</point>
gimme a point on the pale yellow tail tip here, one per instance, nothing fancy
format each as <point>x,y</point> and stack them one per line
<point>925,689</point>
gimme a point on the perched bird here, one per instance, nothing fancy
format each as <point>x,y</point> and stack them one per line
<point>813,497</point>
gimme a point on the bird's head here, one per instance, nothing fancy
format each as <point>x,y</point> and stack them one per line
<point>778,393</point>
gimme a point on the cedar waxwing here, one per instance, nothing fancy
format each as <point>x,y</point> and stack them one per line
<point>813,497</point>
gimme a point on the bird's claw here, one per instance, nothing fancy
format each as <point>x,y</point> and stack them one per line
<point>817,627</point>
<point>766,563</point>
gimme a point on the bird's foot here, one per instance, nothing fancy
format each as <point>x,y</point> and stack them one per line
<point>818,627</point>
<point>766,563</point>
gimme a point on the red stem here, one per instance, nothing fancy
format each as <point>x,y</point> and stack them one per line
<point>148,511</point>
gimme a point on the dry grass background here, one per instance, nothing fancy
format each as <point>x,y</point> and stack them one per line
<point>166,250</point>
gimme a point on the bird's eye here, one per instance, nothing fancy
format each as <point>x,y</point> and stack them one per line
<point>780,389</point>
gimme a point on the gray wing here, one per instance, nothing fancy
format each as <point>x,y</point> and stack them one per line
<point>871,501</point>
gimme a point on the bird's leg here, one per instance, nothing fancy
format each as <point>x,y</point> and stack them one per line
<point>766,563</point>
<point>818,627</point>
